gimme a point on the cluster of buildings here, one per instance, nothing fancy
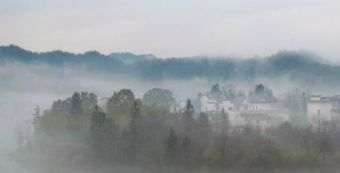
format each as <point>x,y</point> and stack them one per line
<point>261,113</point>
<point>268,112</point>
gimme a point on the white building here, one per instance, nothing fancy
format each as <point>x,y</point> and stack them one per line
<point>210,104</point>
<point>256,119</point>
<point>264,106</point>
<point>322,109</point>
<point>261,114</point>
<point>264,113</point>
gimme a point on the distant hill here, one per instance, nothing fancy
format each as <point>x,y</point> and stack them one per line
<point>130,58</point>
<point>297,66</point>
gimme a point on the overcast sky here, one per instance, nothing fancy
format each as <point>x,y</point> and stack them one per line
<point>174,27</point>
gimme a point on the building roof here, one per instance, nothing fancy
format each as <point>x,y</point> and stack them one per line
<point>324,99</point>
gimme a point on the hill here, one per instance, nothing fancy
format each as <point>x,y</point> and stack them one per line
<point>297,66</point>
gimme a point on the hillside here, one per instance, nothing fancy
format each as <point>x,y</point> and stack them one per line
<point>296,66</point>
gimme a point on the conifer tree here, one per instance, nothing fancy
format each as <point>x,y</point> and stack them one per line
<point>134,136</point>
<point>172,147</point>
<point>76,104</point>
<point>97,132</point>
<point>188,119</point>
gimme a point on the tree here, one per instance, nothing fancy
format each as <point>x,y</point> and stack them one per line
<point>221,140</point>
<point>259,89</point>
<point>76,104</point>
<point>97,132</point>
<point>261,93</point>
<point>172,147</point>
<point>120,103</point>
<point>216,92</point>
<point>229,91</point>
<point>111,140</point>
<point>189,124</point>
<point>188,119</point>
<point>135,116</point>
<point>203,129</point>
<point>225,122</point>
<point>203,121</point>
<point>187,151</point>
<point>215,88</point>
<point>323,141</point>
<point>36,117</point>
<point>203,135</point>
<point>119,107</point>
<point>134,132</point>
<point>88,101</point>
<point>189,109</point>
<point>159,97</point>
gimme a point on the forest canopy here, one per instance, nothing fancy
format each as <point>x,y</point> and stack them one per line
<point>147,132</point>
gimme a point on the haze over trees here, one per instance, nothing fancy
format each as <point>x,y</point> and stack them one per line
<point>147,133</point>
<point>156,131</point>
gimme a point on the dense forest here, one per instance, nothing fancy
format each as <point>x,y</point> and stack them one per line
<point>149,133</point>
<point>301,67</point>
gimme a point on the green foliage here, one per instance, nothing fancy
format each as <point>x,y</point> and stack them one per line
<point>203,122</point>
<point>159,97</point>
<point>261,93</point>
<point>172,147</point>
<point>69,117</point>
<point>156,137</point>
<point>215,88</point>
<point>188,119</point>
<point>76,104</point>
<point>97,132</point>
<point>120,103</point>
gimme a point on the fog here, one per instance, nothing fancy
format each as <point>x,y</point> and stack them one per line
<point>24,87</point>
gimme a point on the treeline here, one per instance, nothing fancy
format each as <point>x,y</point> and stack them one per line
<point>149,132</point>
<point>300,67</point>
